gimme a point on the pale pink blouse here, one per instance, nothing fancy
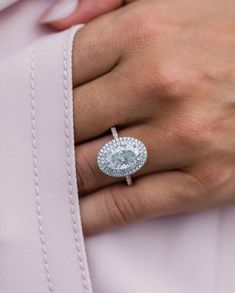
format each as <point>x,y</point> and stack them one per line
<point>42,248</point>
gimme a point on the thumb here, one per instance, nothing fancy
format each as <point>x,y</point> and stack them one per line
<point>65,13</point>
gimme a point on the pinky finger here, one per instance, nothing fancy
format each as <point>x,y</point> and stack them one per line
<point>151,196</point>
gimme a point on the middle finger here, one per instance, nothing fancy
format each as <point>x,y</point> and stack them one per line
<point>107,101</point>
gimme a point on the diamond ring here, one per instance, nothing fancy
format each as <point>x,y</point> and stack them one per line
<point>122,156</point>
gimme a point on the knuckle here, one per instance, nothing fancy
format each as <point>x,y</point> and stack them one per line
<point>210,181</point>
<point>169,82</point>
<point>173,80</point>
<point>187,137</point>
<point>144,26</point>
<point>140,28</point>
<point>216,177</point>
<point>119,209</point>
<point>192,134</point>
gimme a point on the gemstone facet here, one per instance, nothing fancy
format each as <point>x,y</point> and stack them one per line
<point>122,156</point>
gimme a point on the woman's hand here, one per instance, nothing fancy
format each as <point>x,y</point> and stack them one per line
<point>163,72</point>
<point>62,14</point>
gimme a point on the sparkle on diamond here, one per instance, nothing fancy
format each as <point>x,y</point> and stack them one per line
<point>121,157</point>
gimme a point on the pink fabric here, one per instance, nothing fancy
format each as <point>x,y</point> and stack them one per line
<point>42,246</point>
<point>41,241</point>
<point>6,3</point>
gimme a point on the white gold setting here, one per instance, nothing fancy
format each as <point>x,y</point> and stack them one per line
<point>122,156</point>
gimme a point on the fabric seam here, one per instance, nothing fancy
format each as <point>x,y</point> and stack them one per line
<point>35,172</point>
<point>69,167</point>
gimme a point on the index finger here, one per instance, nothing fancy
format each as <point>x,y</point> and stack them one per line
<point>96,50</point>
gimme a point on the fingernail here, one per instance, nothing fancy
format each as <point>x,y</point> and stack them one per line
<point>59,10</point>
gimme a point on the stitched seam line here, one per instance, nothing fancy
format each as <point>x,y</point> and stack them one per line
<point>35,173</point>
<point>69,169</point>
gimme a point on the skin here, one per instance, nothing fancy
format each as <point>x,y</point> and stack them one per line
<point>86,11</point>
<point>163,72</point>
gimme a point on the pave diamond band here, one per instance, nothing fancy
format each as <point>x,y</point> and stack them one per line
<point>122,156</point>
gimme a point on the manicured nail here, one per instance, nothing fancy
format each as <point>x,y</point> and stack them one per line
<point>59,10</point>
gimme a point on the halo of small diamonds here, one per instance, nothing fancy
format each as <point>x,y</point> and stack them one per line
<point>122,157</point>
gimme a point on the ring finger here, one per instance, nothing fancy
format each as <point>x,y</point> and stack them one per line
<point>164,153</point>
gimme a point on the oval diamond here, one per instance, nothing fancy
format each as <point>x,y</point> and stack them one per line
<point>122,156</point>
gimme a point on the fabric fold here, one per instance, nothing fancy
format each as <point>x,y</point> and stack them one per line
<point>41,240</point>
